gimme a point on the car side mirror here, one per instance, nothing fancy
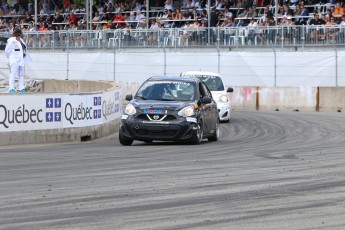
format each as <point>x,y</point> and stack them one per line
<point>230,90</point>
<point>129,97</point>
<point>206,100</point>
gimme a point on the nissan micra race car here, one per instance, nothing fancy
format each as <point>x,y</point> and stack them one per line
<point>215,84</point>
<point>170,109</point>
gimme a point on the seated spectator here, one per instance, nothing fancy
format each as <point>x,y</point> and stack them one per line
<point>75,9</point>
<point>58,18</point>
<point>330,31</point>
<point>137,6</point>
<point>11,11</point>
<point>31,37</point>
<point>168,5</point>
<point>218,5</point>
<point>72,18</point>
<point>139,16</point>
<point>342,23</point>
<point>197,5</point>
<point>119,8</point>
<point>95,20</point>
<point>285,11</point>
<point>104,17</point>
<point>315,33</point>
<point>166,16</point>
<point>119,18</point>
<point>110,7</point>
<point>80,38</point>
<point>227,13</point>
<point>288,32</point>
<point>187,14</point>
<point>21,10</point>
<point>100,8</point>
<point>49,18</point>
<point>252,26</point>
<point>338,12</point>
<point>154,27</point>
<point>189,4</point>
<point>303,16</point>
<point>177,15</point>
<point>130,18</point>
<point>28,18</point>
<point>186,33</point>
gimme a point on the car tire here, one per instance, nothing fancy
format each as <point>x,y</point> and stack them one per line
<point>199,132</point>
<point>124,141</point>
<point>216,134</point>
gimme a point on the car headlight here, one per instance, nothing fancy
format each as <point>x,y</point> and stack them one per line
<point>187,111</point>
<point>130,109</point>
<point>223,98</point>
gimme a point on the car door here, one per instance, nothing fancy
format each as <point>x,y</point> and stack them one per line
<point>210,113</point>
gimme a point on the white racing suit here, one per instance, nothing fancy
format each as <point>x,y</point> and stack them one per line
<point>14,52</point>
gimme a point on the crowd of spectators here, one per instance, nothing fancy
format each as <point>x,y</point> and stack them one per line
<point>57,15</point>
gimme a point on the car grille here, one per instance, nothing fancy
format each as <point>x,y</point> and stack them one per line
<point>145,117</point>
<point>157,131</point>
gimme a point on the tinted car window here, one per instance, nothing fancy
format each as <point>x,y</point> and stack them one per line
<point>167,91</point>
<point>206,90</point>
<point>214,83</point>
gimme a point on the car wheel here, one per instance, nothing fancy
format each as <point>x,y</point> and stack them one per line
<point>123,140</point>
<point>198,133</point>
<point>216,134</point>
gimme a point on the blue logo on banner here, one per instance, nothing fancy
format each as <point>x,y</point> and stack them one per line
<point>52,103</point>
<point>57,116</point>
<point>49,117</point>
<point>97,113</point>
<point>49,103</point>
<point>97,101</point>
<point>57,103</point>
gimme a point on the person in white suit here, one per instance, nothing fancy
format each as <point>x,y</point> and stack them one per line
<point>16,52</point>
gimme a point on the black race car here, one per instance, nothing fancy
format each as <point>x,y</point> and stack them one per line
<point>170,109</point>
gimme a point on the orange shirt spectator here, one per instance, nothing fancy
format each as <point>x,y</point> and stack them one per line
<point>338,11</point>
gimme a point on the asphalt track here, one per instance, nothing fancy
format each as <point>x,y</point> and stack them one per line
<point>269,170</point>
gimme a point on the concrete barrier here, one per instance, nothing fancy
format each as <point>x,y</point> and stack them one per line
<point>326,99</point>
<point>88,110</point>
<point>332,99</point>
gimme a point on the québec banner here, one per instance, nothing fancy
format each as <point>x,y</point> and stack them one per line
<point>55,111</point>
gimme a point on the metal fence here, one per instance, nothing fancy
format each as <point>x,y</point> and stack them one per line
<point>283,36</point>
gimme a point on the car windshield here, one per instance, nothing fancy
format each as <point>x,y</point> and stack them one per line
<point>167,91</point>
<point>214,83</point>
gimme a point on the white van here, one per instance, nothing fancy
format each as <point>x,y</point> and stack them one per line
<point>215,84</point>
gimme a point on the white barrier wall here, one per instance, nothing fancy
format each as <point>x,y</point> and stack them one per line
<point>237,68</point>
<point>57,111</point>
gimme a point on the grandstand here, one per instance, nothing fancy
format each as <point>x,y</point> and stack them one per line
<point>129,24</point>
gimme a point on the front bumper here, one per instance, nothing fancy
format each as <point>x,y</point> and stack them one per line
<point>179,129</point>
<point>224,110</point>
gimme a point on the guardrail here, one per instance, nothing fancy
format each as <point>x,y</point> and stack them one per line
<point>283,36</point>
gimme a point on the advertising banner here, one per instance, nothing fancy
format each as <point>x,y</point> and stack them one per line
<point>55,111</point>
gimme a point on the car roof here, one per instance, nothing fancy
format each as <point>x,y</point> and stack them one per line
<point>173,78</point>
<point>200,73</point>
